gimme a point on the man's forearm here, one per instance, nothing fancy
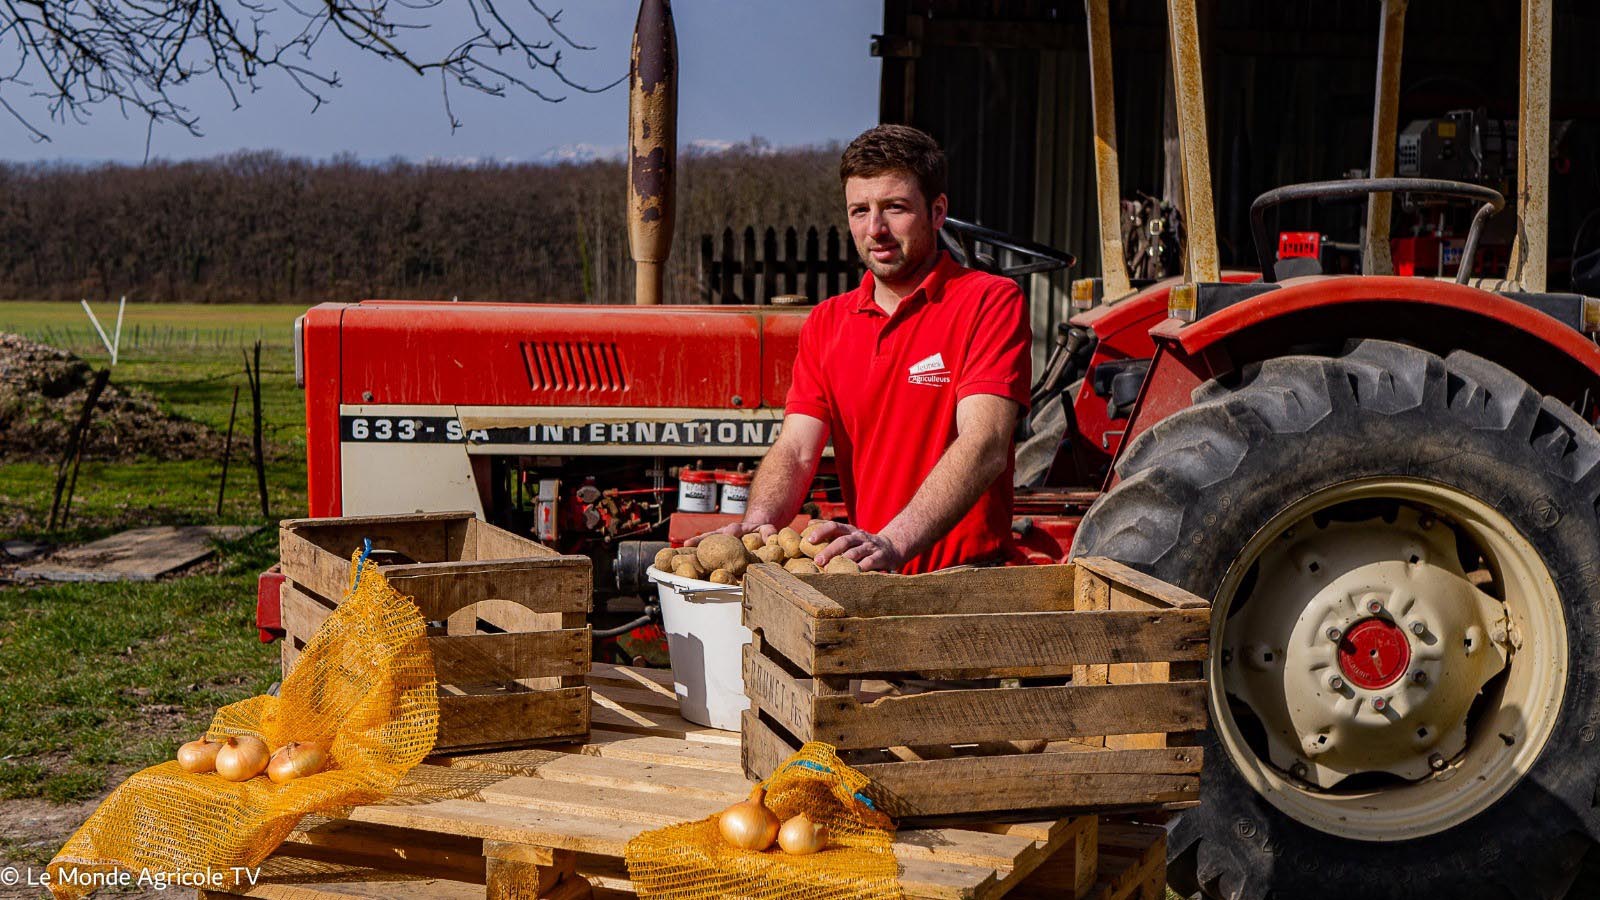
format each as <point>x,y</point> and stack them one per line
<point>962,474</point>
<point>779,487</point>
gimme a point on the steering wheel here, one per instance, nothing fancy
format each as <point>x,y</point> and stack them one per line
<point>963,239</point>
<point>1354,188</point>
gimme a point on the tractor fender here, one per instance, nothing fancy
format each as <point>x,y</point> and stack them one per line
<point>1439,316</point>
<point>1321,314</point>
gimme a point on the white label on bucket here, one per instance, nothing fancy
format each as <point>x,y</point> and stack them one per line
<point>735,497</point>
<point>697,496</point>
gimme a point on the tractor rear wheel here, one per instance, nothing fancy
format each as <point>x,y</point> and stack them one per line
<point>1403,555</point>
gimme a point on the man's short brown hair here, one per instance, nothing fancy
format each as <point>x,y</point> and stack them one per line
<point>896,148</point>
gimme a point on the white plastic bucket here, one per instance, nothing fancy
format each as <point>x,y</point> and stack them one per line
<point>706,638</point>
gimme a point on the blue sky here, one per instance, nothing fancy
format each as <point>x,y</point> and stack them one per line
<point>790,72</point>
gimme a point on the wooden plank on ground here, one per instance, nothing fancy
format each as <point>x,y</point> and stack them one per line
<point>1001,714</point>
<point>1003,645</point>
<point>672,781</point>
<point>612,803</point>
<point>558,831</point>
<point>722,756</point>
<point>627,676</point>
<point>637,698</point>
<point>398,850</point>
<point>655,721</point>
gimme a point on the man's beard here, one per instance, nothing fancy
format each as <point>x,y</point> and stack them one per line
<point>898,269</point>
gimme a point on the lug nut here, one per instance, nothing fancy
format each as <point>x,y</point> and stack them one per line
<point>1436,762</point>
<point>1374,606</point>
<point>1336,683</point>
<point>1334,634</point>
<point>1299,771</point>
<point>1419,677</point>
<point>1425,522</point>
<point>1380,704</point>
<point>1417,628</point>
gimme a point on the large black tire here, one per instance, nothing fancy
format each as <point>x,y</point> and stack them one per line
<point>1199,485</point>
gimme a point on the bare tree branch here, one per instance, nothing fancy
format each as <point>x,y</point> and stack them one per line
<point>74,55</point>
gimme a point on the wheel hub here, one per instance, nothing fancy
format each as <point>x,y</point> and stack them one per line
<point>1376,672</point>
<point>1374,654</point>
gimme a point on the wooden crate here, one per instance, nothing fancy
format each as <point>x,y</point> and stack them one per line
<point>1105,718</point>
<point>508,617</point>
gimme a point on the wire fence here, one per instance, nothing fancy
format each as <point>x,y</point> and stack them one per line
<point>155,338</point>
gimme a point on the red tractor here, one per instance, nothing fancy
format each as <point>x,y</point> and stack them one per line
<point>1389,486</point>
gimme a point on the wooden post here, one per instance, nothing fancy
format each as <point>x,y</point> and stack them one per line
<point>813,263</point>
<point>1530,249</point>
<point>747,270</point>
<point>1375,256</point>
<point>257,457</point>
<point>73,457</point>
<point>1108,181</point>
<point>791,260</point>
<point>707,267</point>
<point>728,262</point>
<point>769,265</point>
<point>832,261</point>
<point>227,449</point>
<point>1199,214</point>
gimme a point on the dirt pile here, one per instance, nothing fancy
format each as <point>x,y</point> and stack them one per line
<point>42,390</point>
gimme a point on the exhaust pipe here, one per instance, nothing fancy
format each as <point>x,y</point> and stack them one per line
<point>652,146</point>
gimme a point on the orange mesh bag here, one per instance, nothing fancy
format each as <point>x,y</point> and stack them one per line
<point>364,686</point>
<point>692,861</point>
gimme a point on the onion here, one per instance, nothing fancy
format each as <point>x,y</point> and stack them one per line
<point>296,761</point>
<point>199,756</point>
<point>242,758</point>
<point>748,824</point>
<point>801,836</point>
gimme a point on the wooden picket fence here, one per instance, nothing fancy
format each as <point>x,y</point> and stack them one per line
<point>753,272</point>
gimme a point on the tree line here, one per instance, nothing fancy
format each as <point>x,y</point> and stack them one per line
<point>267,228</point>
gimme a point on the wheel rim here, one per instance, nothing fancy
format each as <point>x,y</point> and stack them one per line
<point>1372,686</point>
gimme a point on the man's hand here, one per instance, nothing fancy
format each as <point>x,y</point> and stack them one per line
<point>738,530</point>
<point>872,552</point>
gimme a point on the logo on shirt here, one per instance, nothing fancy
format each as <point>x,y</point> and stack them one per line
<point>929,371</point>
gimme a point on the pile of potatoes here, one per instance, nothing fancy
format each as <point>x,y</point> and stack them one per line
<point>722,558</point>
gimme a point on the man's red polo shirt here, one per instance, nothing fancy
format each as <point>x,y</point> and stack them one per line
<point>888,386</point>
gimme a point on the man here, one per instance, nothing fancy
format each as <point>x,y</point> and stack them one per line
<point>918,375</point>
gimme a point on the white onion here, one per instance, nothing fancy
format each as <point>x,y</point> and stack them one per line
<point>748,824</point>
<point>199,756</point>
<point>242,758</point>
<point>296,761</point>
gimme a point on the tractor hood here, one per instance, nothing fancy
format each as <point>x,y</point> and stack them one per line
<point>515,354</point>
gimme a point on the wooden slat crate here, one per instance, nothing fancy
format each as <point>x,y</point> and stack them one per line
<point>1087,697</point>
<point>508,617</point>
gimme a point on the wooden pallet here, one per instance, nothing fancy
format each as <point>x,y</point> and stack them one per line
<point>554,822</point>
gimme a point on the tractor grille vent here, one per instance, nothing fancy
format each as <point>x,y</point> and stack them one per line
<point>574,366</point>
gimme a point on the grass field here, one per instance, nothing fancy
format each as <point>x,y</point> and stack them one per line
<point>100,679</point>
<point>190,358</point>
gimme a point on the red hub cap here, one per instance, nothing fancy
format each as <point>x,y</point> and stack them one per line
<point>1374,654</point>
